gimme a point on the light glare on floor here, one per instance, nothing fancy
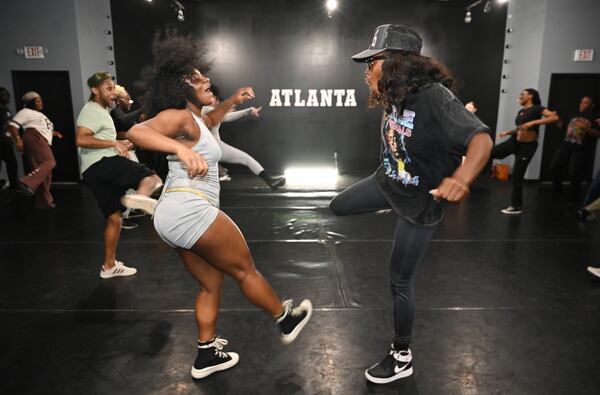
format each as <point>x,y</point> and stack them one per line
<point>311,175</point>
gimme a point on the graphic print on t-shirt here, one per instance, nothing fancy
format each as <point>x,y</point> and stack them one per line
<point>396,131</point>
<point>576,134</point>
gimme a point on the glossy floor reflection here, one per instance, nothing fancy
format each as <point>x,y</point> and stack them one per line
<point>504,304</point>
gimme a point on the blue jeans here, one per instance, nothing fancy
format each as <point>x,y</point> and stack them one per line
<point>410,245</point>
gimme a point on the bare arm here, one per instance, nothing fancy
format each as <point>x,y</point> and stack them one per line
<point>159,133</point>
<point>589,129</point>
<point>548,117</point>
<point>84,138</point>
<point>216,116</point>
<point>15,134</point>
<point>456,188</point>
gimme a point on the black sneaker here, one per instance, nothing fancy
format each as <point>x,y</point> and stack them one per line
<point>211,359</point>
<point>25,189</point>
<point>293,320</point>
<point>396,365</point>
<point>275,183</point>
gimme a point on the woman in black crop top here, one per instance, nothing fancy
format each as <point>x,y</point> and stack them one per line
<point>523,142</point>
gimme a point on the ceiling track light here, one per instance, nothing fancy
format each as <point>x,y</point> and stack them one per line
<point>487,8</point>
<point>178,7</point>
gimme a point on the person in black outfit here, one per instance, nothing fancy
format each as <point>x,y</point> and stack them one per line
<point>425,131</point>
<point>577,149</point>
<point>7,152</point>
<point>523,142</point>
<point>122,115</point>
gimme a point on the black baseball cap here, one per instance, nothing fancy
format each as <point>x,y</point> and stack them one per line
<point>396,37</point>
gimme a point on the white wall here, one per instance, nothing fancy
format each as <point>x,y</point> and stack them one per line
<point>93,19</point>
<point>72,31</point>
<point>545,35</point>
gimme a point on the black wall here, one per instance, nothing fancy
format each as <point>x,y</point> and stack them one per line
<point>278,44</point>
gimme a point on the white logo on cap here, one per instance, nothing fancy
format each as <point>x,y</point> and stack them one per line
<point>374,38</point>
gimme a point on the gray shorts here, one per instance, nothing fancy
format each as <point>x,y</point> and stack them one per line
<point>181,218</point>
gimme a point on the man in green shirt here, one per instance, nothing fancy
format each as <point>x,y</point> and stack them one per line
<point>106,169</point>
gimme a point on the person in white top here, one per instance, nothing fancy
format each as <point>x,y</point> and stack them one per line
<point>35,143</point>
<point>233,155</point>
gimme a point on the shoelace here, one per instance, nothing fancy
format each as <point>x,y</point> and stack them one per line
<point>401,356</point>
<point>218,344</point>
<point>287,307</point>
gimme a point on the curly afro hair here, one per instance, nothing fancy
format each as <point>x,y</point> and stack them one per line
<point>404,73</point>
<point>175,58</point>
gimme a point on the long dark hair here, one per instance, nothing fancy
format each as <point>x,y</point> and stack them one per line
<point>404,73</point>
<point>536,96</point>
<point>175,58</point>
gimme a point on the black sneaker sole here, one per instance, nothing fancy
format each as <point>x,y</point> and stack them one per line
<point>385,380</point>
<point>202,373</point>
<point>290,337</point>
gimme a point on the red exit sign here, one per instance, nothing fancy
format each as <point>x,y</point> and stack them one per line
<point>33,52</point>
<point>584,55</point>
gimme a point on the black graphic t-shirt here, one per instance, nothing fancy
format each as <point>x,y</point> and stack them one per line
<point>422,146</point>
<point>530,114</point>
<point>577,136</point>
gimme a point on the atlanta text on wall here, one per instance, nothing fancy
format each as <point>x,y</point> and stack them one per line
<point>313,98</point>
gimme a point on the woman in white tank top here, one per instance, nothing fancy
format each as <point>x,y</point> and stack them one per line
<point>176,95</point>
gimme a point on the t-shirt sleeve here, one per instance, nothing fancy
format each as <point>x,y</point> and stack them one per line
<point>539,111</point>
<point>459,125</point>
<point>21,119</point>
<point>89,119</point>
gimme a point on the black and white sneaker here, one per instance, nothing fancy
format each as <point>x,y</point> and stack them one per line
<point>211,359</point>
<point>396,365</point>
<point>293,320</point>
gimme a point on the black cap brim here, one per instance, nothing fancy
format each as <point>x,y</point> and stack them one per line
<point>366,54</point>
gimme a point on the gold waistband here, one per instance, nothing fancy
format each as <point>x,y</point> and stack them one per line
<point>190,190</point>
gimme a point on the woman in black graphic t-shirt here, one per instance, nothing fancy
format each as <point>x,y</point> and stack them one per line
<point>523,142</point>
<point>577,149</point>
<point>425,130</point>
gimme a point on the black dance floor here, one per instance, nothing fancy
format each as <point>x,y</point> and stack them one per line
<point>504,304</point>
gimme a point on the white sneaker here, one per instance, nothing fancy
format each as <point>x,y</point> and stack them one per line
<point>118,270</point>
<point>140,202</point>
<point>594,270</point>
<point>511,210</point>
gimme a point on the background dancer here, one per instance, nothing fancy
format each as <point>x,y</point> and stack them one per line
<point>105,168</point>
<point>523,142</point>
<point>577,149</point>
<point>425,131</point>
<point>35,143</point>
<point>233,155</point>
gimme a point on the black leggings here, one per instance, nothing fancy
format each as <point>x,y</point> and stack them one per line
<point>410,245</point>
<point>575,160</point>
<point>523,153</point>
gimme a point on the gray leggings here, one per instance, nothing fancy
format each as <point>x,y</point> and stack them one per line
<point>410,245</point>
<point>233,155</point>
